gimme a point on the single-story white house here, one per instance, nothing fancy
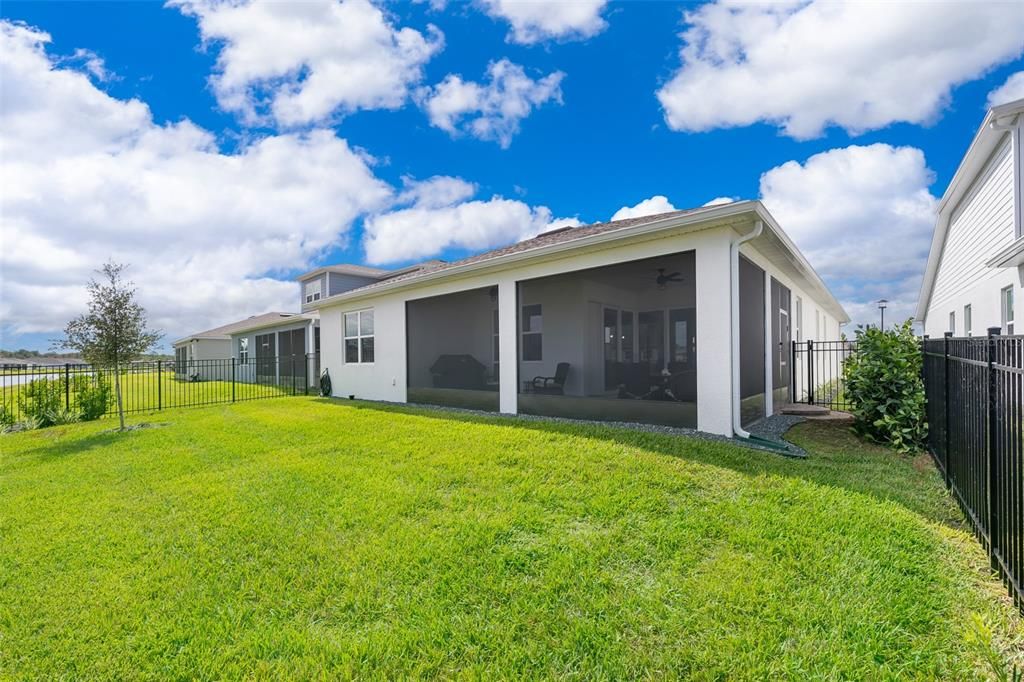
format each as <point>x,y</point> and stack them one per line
<point>268,348</point>
<point>683,318</point>
<point>275,347</point>
<point>976,264</point>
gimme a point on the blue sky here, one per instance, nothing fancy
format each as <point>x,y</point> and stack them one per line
<point>816,140</point>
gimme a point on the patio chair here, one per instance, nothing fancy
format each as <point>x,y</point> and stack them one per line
<point>552,385</point>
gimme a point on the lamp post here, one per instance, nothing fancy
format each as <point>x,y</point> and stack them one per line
<point>881,309</point>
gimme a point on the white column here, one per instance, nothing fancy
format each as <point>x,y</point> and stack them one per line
<point>769,347</point>
<point>714,335</point>
<point>508,356</point>
<point>311,378</point>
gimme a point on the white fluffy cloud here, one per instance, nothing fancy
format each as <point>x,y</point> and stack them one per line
<point>656,204</point>
<point>718,201</point>
<point>88,177</point>
<point>1012,89</point>
<point>304,62</point>
<point>863,216</point>
<point>492,110</point>
<point>804,66</point>
<point>535,21</point>
<point>436,214</point>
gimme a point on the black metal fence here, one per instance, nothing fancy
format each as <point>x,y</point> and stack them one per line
<point>974,389</point>
<point>817,373</point>
<point>157,385</point>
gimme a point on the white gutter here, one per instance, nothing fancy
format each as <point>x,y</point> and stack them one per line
<point>702,218</point>
<point>734,336</point>
<point>1003,126</point>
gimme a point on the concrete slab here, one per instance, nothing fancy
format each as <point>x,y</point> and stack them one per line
<point>803,410</point>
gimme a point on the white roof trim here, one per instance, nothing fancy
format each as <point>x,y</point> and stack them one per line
<point>986,140</point>
<point>691,220</point>
<point>1009,257</point>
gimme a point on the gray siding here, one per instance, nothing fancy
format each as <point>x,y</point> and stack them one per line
<point>333,283</point>
<point>340,282</point>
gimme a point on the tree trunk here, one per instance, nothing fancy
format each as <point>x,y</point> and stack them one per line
<point>117,389</point>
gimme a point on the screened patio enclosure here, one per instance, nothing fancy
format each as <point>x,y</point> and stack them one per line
<point>752,340</point>
<point>452,349</point>
<point>611,343</point>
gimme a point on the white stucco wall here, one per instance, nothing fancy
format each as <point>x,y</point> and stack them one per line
<point>980,226</point>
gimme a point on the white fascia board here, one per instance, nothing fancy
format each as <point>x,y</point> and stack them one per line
<point>689,221</point>
<point>1010,257</point>
<point>801,263</point>
<point>984,143</point>
<point>701,219</point>
<point>190,339</point>
<point>293,321</point>
<point>931,267</point>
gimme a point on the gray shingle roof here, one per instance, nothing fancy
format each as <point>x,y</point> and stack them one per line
<point>225,331</point>
<point>556,236</point>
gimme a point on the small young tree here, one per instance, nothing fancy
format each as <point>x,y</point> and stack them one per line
<point>113,332</point>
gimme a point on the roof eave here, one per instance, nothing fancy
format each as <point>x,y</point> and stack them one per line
<point>688,220</point>
<point>985,131</point>
<point>498,262</point>
<point>284,321</point>
<point>985,141</point>
<point>810,273</point>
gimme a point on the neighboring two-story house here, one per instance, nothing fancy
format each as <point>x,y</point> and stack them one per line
<point>976,264</point>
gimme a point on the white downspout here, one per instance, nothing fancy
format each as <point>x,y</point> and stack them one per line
<point>734,336</point>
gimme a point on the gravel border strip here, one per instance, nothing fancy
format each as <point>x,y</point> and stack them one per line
<point>791,450</point>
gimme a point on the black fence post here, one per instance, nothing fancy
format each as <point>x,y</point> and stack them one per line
<point>945,407</point>
<point>993,446</point>
<point>810,372</point>
<point>67,385</point>
<point>232,379</point>
<point>305,376</point>
<point>792,371</point>
<point>159,384</point>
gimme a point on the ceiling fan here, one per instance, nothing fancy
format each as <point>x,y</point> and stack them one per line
<point>664,279</point>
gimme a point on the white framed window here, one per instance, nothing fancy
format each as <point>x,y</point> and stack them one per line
<point>952,323</point>
<point>798,320</point>
<point>243,350</point>
<point>313,291</point>
<point>358,329</point>
<point>967,320</point>
<point>533,333</point>
<point>1006,304</point>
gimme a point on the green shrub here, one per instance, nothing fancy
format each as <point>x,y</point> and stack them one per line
<point>26,424</point>
<point>61,416</point>
<point>41,399</point>
<point>93,396</point>
<point>883,383</point>
<point>6,418</point>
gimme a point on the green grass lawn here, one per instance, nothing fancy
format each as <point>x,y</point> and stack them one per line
<point>302,538</point>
